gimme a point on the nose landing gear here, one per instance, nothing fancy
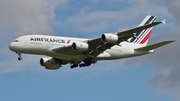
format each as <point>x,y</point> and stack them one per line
<point>20,57</point>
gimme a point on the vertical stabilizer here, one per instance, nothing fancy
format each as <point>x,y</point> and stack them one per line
<point>143,36</point>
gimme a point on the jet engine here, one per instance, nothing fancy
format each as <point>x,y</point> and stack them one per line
<point>80,46</point>
<point>50,63</point>
<point>109,38</point>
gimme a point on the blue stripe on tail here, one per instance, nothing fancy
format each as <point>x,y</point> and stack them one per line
<point>141,33</point>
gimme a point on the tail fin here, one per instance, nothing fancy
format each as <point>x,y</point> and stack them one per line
<point>143,36</point>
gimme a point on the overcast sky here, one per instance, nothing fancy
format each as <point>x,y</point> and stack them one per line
<point>147,78</point>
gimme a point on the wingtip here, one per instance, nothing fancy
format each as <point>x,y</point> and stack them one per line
<point>164,21</point>
<point>172,40</point>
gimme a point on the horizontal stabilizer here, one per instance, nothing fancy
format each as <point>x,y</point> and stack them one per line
<point>154,46</point>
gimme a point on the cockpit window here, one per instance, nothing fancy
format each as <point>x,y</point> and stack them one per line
<point>16,40</point>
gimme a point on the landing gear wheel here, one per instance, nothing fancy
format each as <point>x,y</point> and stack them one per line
<point>74,66</point>
<point>71,67</point>
<point>20,58</point>
<point>82,65</point>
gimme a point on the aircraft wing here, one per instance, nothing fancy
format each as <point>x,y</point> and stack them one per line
<point>97,46</point>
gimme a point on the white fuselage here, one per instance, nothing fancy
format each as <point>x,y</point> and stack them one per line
<point>43,45</point>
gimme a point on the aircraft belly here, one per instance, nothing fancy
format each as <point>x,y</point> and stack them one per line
<point>119,53</point>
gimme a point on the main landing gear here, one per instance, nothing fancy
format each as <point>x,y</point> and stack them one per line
<point>20,57</point>
<point>74,66</point>
<point>87,62</point>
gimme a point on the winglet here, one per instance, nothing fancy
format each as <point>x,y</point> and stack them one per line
<point>164,21</point>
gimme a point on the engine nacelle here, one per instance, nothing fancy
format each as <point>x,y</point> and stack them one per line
<point>50,63</point>
<point>80,46</point>
<point>109,38</point>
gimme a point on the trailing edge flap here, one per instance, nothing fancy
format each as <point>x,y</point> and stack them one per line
<point>153,46</point>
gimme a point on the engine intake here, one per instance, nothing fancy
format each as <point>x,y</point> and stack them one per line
<point>109,38</point>
<point>50,63</point>
<point>80,46</point>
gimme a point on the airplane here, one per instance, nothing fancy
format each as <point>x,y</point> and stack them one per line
<point>85,52</point>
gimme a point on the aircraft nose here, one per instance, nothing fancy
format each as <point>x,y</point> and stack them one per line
<point>12,46</point>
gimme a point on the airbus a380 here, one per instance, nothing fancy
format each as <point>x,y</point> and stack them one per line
<point>84,52</point>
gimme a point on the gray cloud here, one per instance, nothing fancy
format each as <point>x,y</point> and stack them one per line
<point>173,8</point>
<point>166,60</point>
<point>27,17</point>
<point>169,62</point>
<point>13,65</point>
<point>98,20</point>
<point>20,17</point>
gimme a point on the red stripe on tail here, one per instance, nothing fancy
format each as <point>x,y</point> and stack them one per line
<point>146,37</point>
